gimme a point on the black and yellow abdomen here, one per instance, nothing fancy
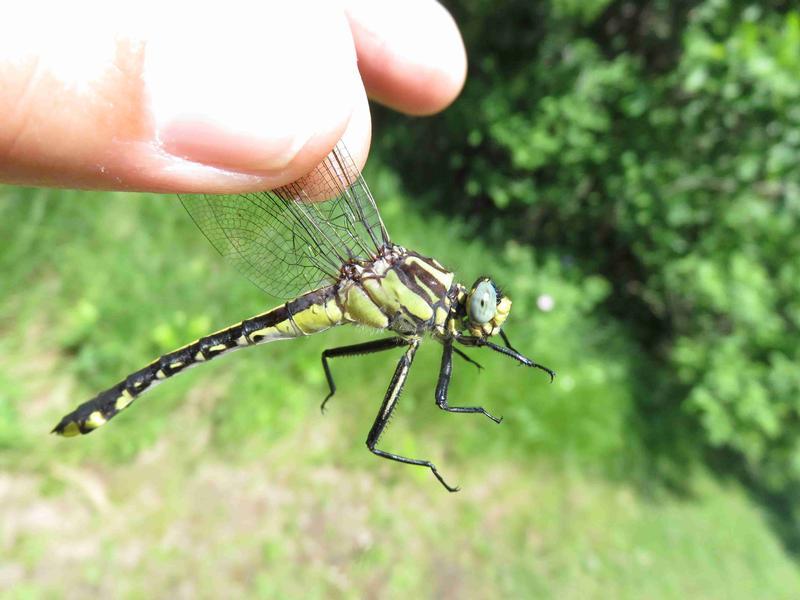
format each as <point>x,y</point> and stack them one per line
<point>307,314</point>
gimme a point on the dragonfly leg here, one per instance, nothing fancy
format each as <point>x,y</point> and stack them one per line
<point>355,350</point>
<point>468,359</point>
<point>478,342</point>
<point>445,372</point>
<point>388,406</point>
<point>506,341</point>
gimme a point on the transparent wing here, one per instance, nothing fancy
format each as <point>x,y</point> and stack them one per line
<point>297,237</point>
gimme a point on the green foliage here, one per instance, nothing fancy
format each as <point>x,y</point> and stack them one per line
<point>657,146</point>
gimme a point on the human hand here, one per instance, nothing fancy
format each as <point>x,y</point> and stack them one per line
<point>230,98</point>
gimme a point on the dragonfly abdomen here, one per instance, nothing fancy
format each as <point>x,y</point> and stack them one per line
<point>307,314</point>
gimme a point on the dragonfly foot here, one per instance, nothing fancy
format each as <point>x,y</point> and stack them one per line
<point>449,488</point>
<point>491,416</point>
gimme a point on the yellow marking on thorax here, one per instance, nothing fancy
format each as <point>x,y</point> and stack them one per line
<point>426,289</point>
<point>391,294</point>
<point>361,309</point>
<point>441,275</point>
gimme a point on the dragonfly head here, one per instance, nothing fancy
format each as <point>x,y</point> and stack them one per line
<point>486,307</point>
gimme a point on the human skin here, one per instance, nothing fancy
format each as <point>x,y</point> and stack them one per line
<point>230,98</point>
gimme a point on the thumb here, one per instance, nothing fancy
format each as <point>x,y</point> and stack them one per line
<point>232,98</point>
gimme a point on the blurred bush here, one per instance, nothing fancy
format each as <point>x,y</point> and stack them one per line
<point>655,144</point>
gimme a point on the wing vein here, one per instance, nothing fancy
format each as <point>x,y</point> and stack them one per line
<point>296,237</point>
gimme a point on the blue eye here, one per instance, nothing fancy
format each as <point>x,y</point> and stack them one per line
<point>482,303</point>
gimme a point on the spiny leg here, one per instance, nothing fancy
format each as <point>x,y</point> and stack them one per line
<point>478,342</point>
<point>506,341</point>
<point>354,350</point>
<point>468,359</point>
<point>445,372</point>
<point>388,405</point>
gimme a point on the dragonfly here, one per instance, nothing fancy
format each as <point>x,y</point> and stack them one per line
<point>321,245</point>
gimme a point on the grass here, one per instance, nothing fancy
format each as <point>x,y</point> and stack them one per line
<point>227,481</point>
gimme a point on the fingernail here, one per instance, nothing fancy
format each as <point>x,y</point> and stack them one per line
<point>218,142</point>
<point>233,101</point>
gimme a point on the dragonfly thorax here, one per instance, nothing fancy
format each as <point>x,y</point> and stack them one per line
<point>411,294</point>
<point>399,290</point>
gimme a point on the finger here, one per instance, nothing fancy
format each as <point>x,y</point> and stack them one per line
<point>358,135</point>
<point>357,141</point>
<point>410,53</point>
<point>218,101</point>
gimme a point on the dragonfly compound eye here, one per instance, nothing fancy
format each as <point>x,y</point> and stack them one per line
<point>482,304</point>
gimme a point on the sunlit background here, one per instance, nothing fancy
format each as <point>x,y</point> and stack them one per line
<point>628,172</point>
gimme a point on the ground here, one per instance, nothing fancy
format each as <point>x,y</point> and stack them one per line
<point>227,481</point>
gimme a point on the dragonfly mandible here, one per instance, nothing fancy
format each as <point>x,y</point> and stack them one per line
<point>334,262</point>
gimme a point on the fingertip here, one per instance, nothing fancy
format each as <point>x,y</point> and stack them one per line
<point>358,135</point>
<point>411,55</point>
<point>260,108</point>
<point>356,139</point>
